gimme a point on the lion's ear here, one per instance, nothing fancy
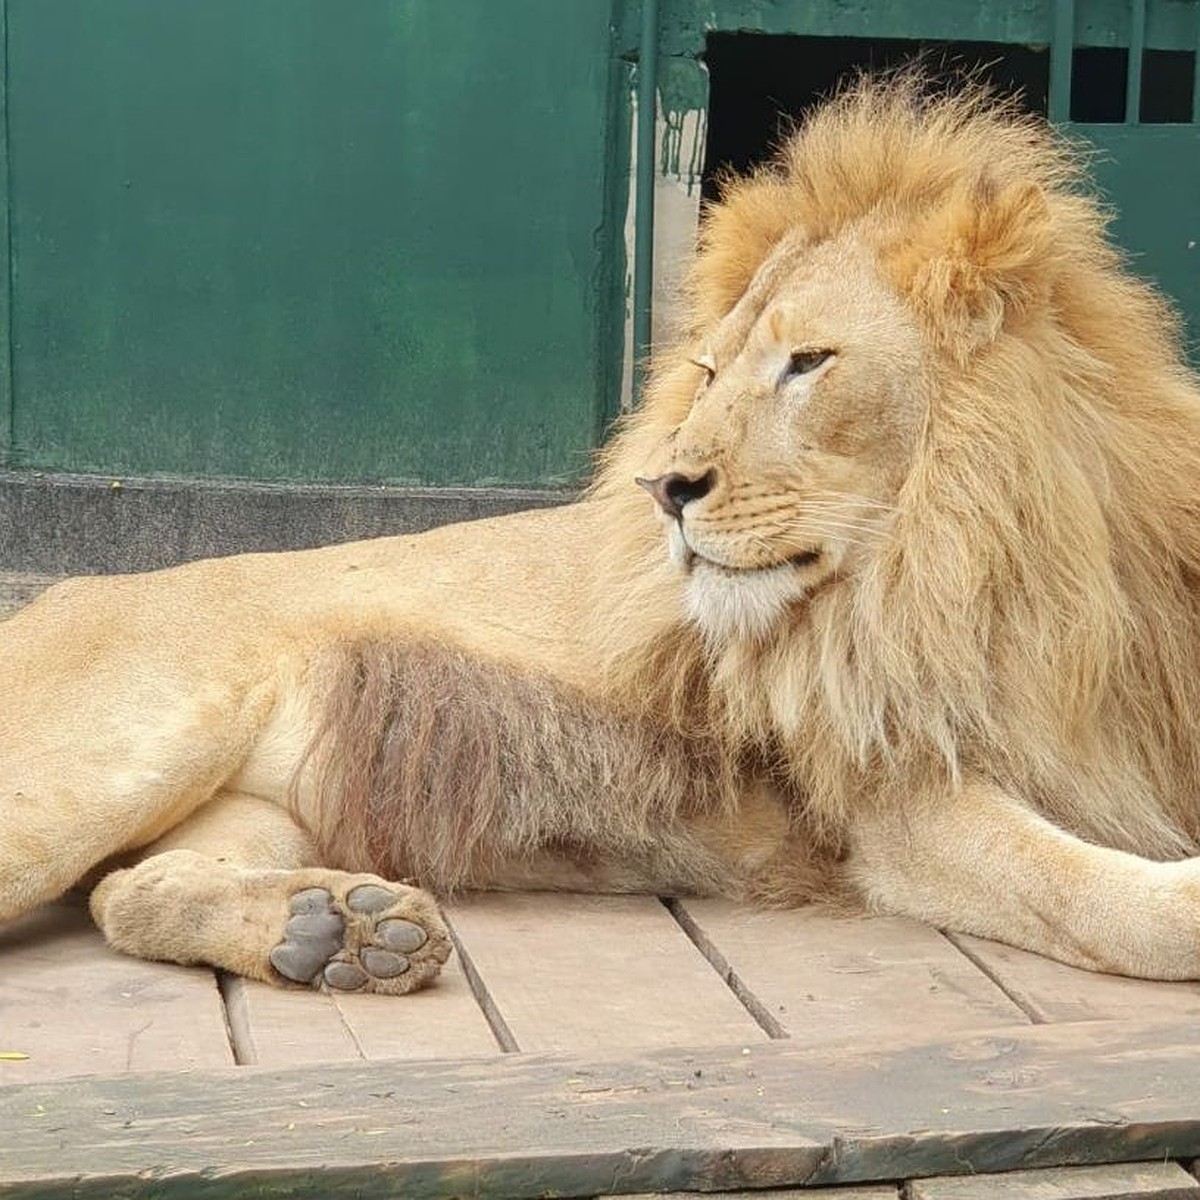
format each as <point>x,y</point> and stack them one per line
<point>737,235</point>
<point>982,255</point>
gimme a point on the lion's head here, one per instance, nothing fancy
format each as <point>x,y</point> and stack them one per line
<point>926,472</point>
<point>807,403</point>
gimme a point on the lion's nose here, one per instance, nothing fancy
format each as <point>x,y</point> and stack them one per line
<point>675,490</point>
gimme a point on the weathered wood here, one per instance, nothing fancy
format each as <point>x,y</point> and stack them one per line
<point>596,973</point>
<point>1052,991</point>
<point>442,1021</point>
<point>775,1115</point>
<point>76,1007</point>
<point>825,978</point>
<point>278,1027</point>
<point>854,1192</point>
<point>1125,1181</point>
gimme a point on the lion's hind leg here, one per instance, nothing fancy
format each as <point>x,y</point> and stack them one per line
<point>234,887</point>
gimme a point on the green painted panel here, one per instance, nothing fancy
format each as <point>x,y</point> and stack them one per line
<point>368,240</point>
<point>685,22</point>
<point>1171,23</point>
<point>1151,176</point>
<point>6,396</point>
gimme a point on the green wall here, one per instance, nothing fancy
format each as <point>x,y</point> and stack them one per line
<point>350,240</point>
<point>381,241</point>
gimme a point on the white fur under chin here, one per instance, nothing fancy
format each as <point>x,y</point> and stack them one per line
<point>746,605</point>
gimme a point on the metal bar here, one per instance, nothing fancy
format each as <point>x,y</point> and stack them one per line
<point>643,233</point>
<point>1196,69</point>
<point>1133,73</point>
<point>7,388</point>
<point>1062,47</point>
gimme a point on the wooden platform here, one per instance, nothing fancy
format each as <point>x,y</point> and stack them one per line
<point>589,1045</point>
<point>581,1046</point>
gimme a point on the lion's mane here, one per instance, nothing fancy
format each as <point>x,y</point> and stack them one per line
<point>1031,616</point>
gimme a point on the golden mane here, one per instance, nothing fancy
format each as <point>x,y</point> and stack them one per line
<point>1031,617</point>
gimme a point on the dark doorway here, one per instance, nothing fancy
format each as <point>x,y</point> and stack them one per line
<point>759,83</point>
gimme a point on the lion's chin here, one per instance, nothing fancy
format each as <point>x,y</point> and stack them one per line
<point>729,605</point>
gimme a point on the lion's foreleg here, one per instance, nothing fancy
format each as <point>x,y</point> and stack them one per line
<point>981,862</point>
<point>67,807</point>
<point>235,887</point>
<point>112,730</point>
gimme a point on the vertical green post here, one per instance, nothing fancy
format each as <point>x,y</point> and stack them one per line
<point>1196,68</point>
<point>6,278</point>
<point>643,236</point>
<point>1133,74</point>
<point>1062,46</point>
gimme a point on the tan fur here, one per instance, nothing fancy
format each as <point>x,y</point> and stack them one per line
<point>435,765</point>
<point>1021,604</point>
<point>923,627</point>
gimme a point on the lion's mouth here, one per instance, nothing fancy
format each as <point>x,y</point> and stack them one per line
<point>796,561</point>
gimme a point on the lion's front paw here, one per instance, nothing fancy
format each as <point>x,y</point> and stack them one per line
<point>356,933</point>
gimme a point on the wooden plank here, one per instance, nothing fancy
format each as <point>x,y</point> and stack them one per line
<point>281,1027</point>
<point>587,986</point>
<point>774,1115</point>
<point>1052,991</point>
<point>857,1192</point>
<point>75,1007</point>
<point>442,1021</point>
<point>596,973</point>
<point>1126,1181</point>
<point>825,978</point>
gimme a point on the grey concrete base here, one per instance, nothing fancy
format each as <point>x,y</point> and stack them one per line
<point>81,524</point>
<point>17,589</point>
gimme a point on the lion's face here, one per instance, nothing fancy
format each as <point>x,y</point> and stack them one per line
<point>804,406</point>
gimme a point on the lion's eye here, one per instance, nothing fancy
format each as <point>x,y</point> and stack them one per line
<point>802,362</point>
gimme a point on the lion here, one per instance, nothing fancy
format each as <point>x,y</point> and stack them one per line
<point>887,595</point>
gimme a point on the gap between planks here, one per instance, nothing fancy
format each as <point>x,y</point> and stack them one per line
<point>719,963</point>
<point>565,972</point>
<point>538,971</point>
<point>964,947</point>
<point>581,973</point>
<point>491,1013</point>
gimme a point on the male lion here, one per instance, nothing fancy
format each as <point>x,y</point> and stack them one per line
<point>912,618</point>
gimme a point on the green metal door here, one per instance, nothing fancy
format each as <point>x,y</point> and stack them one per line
<point>327,240</point>
<point>1149,169</point>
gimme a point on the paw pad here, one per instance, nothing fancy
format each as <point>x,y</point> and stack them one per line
<point>351,945</point>
<point>370,898</point>
<point>345,976</point>
<point>402,936</point>
<point>383,963</point>
<point>312,936</point>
